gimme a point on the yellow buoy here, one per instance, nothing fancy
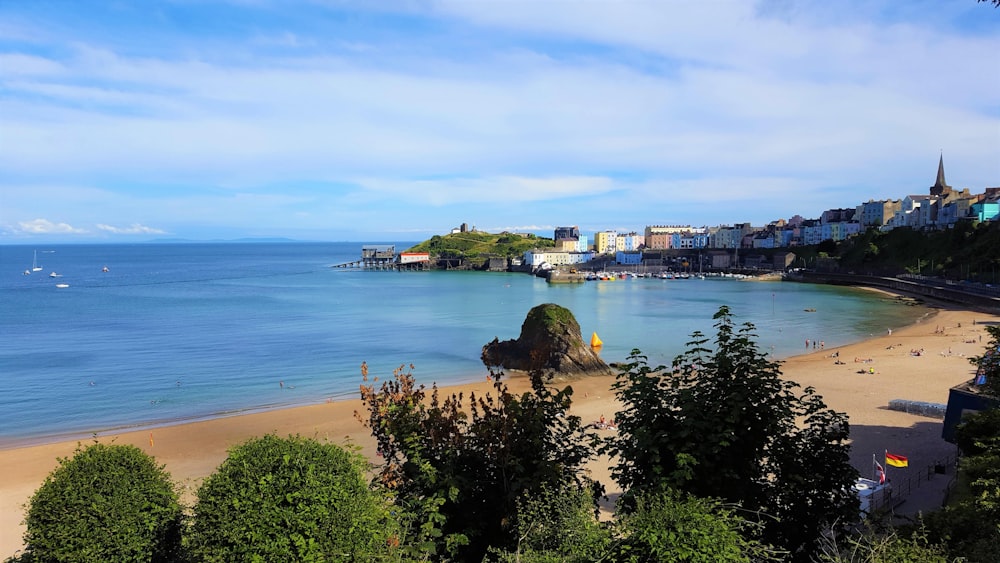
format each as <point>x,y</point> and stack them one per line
<point>595,341</point>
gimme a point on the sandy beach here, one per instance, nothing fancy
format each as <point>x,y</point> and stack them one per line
<point>946,338</point>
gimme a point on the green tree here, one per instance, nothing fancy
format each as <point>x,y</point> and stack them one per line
<point>290,499</point>
<point>106,503</point>
<point>471,462</point>
<point>722,423</point>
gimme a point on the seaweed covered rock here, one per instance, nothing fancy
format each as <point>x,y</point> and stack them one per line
<point>551,342</point>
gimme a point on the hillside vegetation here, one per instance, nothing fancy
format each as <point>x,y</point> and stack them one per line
<point>480,244</point>
<point>965,252</point>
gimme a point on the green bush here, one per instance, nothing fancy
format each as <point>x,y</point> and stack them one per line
<point>290,499</point>
<point>107,503</point>
<point>559,526</point>
<point>671,526</point>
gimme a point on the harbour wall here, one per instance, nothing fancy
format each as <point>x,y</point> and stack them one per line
<point>924,287</point>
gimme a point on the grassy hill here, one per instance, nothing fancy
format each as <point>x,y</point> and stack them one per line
<point>480,244</point>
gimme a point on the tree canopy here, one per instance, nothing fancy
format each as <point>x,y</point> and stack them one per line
<point>461,466</point>
<point>722,423</point>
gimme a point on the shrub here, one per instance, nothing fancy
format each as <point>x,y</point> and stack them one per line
<point>107,503</point>
<point>289,499</point>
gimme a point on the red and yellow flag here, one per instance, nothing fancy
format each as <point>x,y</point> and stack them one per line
<point>896,460</point>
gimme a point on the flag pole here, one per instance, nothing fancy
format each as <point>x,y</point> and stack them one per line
<point>886,467</point>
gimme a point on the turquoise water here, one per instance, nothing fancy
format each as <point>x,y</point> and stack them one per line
<point>187,331</point>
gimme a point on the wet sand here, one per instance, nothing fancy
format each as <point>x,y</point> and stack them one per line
<point>946,336</point>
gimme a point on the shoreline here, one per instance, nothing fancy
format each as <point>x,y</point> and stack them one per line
<point>192,450</point>
<point>83,436</point>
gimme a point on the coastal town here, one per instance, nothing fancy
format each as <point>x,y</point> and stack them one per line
<point>725,247</point>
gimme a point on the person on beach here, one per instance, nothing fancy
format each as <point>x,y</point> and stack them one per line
<point>364,369</point>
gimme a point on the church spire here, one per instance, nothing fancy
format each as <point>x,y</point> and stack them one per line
<point>940,186</point>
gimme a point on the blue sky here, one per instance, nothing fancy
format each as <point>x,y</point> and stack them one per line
<point>396,120</point>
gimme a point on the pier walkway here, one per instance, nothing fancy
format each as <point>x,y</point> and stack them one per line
<point>385,257</point>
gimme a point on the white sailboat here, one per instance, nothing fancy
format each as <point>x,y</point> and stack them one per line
<point>34,263</point>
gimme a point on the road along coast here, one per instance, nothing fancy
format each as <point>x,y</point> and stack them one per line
<point>946,337</point>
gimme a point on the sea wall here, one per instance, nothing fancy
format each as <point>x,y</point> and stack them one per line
<point>932,289</point>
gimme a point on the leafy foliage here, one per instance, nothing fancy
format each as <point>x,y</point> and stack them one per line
<point>106,503</point>
<point>480,244</point>
<point>723,424</point>
<point>474,460</point>
<point>290,499</point>
<point>872,546</point>
<point>558,526</point>
<point>966,251</point>
<point>989,363</point>
<point>670,526</point>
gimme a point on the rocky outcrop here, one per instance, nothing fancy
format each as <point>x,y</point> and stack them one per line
<point>550,341</point>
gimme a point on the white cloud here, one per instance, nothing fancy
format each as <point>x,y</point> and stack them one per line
<point>46,227</point>
<point>623,105</point>
<point>133,229</point>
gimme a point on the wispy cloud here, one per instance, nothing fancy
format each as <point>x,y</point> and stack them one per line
<point>46,227</point>
<point>508,111</point>
<point>134,229</point>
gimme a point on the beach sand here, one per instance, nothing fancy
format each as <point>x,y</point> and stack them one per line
<point>947,336</point>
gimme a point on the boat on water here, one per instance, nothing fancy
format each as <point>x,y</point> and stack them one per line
<point>62,285</point>
<point>34,263</point>
<point>55,275</point>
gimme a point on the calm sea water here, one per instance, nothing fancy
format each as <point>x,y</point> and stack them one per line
<point>188,331</point>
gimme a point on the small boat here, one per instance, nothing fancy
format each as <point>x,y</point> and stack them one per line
<point>55,275</point>
<point>34,263</point>
<point>809,310</point>
<point>62,285</point>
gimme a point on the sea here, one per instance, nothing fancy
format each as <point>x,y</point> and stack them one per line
<point>112,337</point>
